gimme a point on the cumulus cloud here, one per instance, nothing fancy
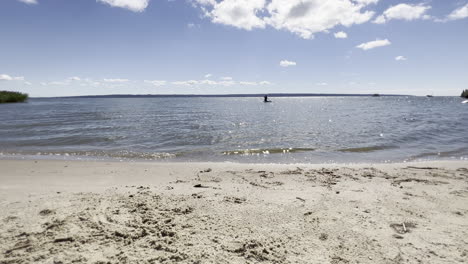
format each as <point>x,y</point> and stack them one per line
<point>302,17</point>
<point>341,35</point>
<point>238,13</point>
<point>227,78</point>
<point>156,82</point>
<point>286,63</point>
<point>133,5</point>
<point>374,44</point>
<point>208,75</point>
<point>6,77</point>
<point>307,17</point>
<point>74,78</point>
<point>403,12</point>
<point>322,84</point>
<point>29,2</point>
<point>116,80</point>
<point>459,13</point>
<point>400,58</point>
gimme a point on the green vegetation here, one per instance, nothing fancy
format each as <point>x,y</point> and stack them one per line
<point>12,97</point>
<point>465,94</point>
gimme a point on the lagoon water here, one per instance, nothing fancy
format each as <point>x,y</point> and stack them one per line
<point>289,130</point>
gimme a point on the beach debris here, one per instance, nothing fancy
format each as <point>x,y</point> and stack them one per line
<point>19,246</point>
<point>323,236</point>
<point>301,199</point>
<point>403,228</point>
<point>275,183</point>
<point>264,174</point>
<point>199,185</point>
<point>256,184</point>
<point>236,200</point>
<point>64,239</point>
<point>338,260</point>
<point>422,168</point>
<point>46,212</point>
<point>197,195</point>
<point>399,181</point>
<point>206,170</point>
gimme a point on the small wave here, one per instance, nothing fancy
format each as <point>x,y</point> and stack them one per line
<point>247,152</point>
<point>367,149</point>
<point>461,152</point>
<point>123,155</point>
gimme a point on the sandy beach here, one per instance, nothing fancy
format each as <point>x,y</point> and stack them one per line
<point>111,212</point>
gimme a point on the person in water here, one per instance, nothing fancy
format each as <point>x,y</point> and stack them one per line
<point>265,98</point>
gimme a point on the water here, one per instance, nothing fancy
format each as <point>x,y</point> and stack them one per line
<point>289,130</point>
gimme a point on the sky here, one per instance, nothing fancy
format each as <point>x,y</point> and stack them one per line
<point>94,47</point>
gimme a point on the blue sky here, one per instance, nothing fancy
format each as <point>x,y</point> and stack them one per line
<point>69,47</point>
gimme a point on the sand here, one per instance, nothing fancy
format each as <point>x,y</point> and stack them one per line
<point>104,212</point>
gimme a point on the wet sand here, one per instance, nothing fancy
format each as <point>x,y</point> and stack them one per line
<point>103,212</point>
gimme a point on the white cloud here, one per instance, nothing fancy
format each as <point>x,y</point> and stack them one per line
<point>156,82</point>
<point>185,83</point>
<point>302,17</point>
<point>208,75</point>
<point>255,83</point>
<point>238,13</point>
<point>286,63</point>
<point>307,17</point>
<point>374,44</point>
<point>6,77</point>
<point>133,5</point>
<point>27,83</point>
<point>226,83</point>
<point>459,13</point>
<point>74,78</point>
<point>29,2</point>
<point>227,78</point>
<point>116,80</point>
<point>322,84</point>
<point>400,58</point>
<point>248,83</point>
<point>208,82</point>
<point>403,12</point>
<point>341,35</point>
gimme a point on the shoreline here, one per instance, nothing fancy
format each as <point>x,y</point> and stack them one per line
<point>177,160</point>
<point>223,212</point>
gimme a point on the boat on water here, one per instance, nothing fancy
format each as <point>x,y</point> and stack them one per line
<point>429,95</point>
<point>465,102</point>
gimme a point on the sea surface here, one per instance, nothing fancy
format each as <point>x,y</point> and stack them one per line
<point>288,130</point>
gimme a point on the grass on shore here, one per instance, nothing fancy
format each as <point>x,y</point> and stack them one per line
<point>12,97</point>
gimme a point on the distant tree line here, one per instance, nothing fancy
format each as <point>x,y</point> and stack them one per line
<point>12,97</point>
<point>465,93</point>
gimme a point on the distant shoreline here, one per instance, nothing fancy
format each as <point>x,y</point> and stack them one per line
<point>222,95</point>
